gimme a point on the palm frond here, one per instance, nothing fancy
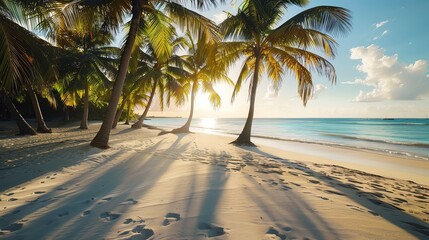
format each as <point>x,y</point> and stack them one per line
<point>301,73</point>
<point>193,22</point>
<point>314,62</point>
<point>328,19</point>
<point>214,97</point>
<point>245,73</point>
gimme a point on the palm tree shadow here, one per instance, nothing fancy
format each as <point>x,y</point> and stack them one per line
<point>373,202</point>
<point>68,211</point>
<point>41,151</point>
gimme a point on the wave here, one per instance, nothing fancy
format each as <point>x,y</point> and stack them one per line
<point>414,144</point>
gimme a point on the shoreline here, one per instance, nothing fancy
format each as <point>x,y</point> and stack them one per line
<point>395,148</point>
<point>198,186</point>
<point>368,160</point>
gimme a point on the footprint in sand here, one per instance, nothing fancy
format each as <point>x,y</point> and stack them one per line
<point>334,192</point>
<point>108,216</point>
<point>128,221</point>
<point>87,212</point>
<point>12,227</point>
<point>141,232</point>
<point>171,218</point>
<point>373,213</point>
<point>63,214</point>
<point>273,233</point>
<point>129,202</point>
<point>103,200</point>
<point>210,230</point>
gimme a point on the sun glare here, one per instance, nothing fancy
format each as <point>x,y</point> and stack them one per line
<point>208,123</point>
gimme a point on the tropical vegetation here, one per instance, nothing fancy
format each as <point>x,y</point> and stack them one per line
<point>254,33</point>
<point>169,50</point>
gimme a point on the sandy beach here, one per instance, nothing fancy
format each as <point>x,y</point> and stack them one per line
<point>197,186</point>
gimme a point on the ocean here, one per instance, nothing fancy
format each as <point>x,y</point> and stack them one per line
<point>406,137</point>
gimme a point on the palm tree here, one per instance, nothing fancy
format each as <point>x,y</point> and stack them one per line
<point>41,125</point>
<point>118,8</point>
<point>134,85</point>
<point>86,65</point>
<point>136,98</point>
<point>253,35</point>
<point>202,72</point>
<point>163,75</point>
<point>23,126</point>
<point>23,59</point>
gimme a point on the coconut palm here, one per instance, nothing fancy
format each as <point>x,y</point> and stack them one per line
<point>23,126</point>
<point>136,98</point>
<point>86,65</point>
<point>113,13</point>
<point>266,46</point>
<point>202,72</point>
<point>163,75</point>
<point>23,60</point>
<point>134,85</point>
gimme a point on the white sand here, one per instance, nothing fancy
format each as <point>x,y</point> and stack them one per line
<point>197,186</point>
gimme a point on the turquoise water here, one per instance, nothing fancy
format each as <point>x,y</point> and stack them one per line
<point>409,137</point>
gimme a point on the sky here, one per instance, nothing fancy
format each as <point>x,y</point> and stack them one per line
<point>382,69</point>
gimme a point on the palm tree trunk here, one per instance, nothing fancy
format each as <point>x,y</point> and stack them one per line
<point>118,113</point>
<point>185,128</point>
<point>41,125</point>
<point>23,126</point>
<point>244,137</point>
<point>127,121</point>
<point>66,114</point>
<point>101,140</point>
<point>139,123</point>
<point>84,121</point>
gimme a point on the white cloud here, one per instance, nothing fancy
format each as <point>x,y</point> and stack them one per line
<point>380,24</point>
<point>319,88</point>
<point>219,17</point>
<point>382,34</point>
<point>271,92</point>
<point>354,82</point>
<point>390,79</point>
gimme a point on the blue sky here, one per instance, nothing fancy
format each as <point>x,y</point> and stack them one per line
<point>382,69</point>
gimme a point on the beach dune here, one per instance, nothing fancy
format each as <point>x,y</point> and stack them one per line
<point>197,186</point>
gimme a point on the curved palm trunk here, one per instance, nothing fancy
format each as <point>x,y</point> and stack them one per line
<point>101,140</point>
<point>41,125</point>
<point>118,114</point>
<point>84,121</point>
<point>139,123</point>
<point>23,126</point>
<point>185,128</point>
<point>127,121</point>
<point>244,137</point>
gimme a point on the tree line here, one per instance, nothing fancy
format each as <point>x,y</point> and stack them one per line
<point>169,49</point>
